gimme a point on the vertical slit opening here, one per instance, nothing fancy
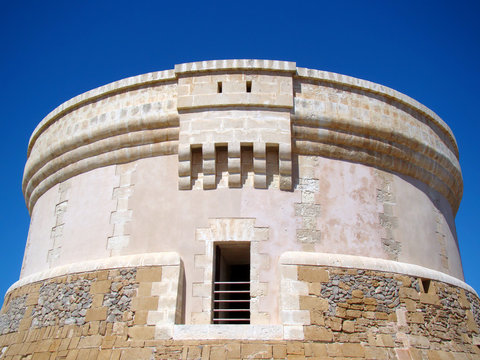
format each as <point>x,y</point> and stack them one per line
<point>426,285</point>
<point>231,287</point>
<point>246,163</point>
<point>221,165</point>
<point>197,166</point>
<point>249,86</point>
<point>219,87</point>
<point>272,166</point>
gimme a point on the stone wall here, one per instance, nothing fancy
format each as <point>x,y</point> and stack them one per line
<point>346,313</point>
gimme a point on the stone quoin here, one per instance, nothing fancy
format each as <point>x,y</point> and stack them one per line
<point>239,209</point>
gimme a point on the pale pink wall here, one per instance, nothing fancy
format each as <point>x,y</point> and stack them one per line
<point>165,219</point>
<point>87,220</point>
<point>349,220</point>
<point>424,219</point>
<point>41,223</point>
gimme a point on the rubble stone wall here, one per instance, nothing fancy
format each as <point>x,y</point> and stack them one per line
<point>351,313</point>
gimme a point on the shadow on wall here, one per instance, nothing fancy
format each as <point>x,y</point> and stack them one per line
<point>441,204</point>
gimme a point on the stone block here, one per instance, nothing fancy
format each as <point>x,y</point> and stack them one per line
<point>144,289</point>
<point>419,341</point>
<point>279,351</point>
<point>348,326</point>
<point>293,332</point>
<point>333,350</point>
<point>409,293</point>
<point>149,274</point>
<point>184,168</point>
<point>431,299</point>
<point>257,351</point>
<point>295,348</point>
<point>410,305</point>
<point>312,274</point>
<point>353,350</point>
<point>209,182</point>
<point>260,181</point>
<point>315,350</point>
<point>353,314</point>
<point>96,314</point>
<point>232,351</point>
<point>217,353</point>
<point>385,340</point>
<point>416,318</point>
<point>296,317</point>
<point>136,354</point>
<point>104,354</point>
<point>100,287</point>
<point>471,323</point>
<point>313,302</point>
<point>314,289</point>
<point>155,317</point>
<point>32,299</point>
<point>200,318</point>
<point>163,331</point>
<point>108,341</point>
<point>260,318</point>
<point>285,183</point>
<point>184,183</point>
<point>259,166</point>
<point>145,303</point>
<point>234,180</point>
<point>318,333</point>
<point>381,315</point>
<point>92,341</point>
<point>233,150</point>
<point>201,289</point>
<point>209,167</point>
<point>376,353</point>
<point>141,332</point>
<point>357,294</point>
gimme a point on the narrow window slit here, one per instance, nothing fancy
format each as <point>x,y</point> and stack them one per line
<point>249,86</point>
<point>219,87</point>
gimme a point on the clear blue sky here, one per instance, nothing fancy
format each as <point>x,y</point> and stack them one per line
<point>51,51</point>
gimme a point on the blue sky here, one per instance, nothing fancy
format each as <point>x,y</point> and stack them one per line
<point>51,51</point>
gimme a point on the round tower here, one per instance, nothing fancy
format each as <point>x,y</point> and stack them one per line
<point>241,209</point>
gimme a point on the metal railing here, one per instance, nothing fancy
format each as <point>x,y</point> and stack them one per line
<point>233,300</point>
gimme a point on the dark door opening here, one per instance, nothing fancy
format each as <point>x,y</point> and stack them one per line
<point>231,290</point>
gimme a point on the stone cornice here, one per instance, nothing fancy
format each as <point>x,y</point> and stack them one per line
<point>377,89</point>
<point>81,134</point>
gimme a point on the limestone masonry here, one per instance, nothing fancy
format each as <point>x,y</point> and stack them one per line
<point>241,209</point>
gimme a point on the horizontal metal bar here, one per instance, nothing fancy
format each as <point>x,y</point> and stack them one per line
<point>231,291</point>
<point>228,310</point>
<point>231,301</point>
<point>239,319</point>
<point>231,282</point>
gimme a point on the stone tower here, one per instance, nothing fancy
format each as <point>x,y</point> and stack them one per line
<point>241,209</point>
